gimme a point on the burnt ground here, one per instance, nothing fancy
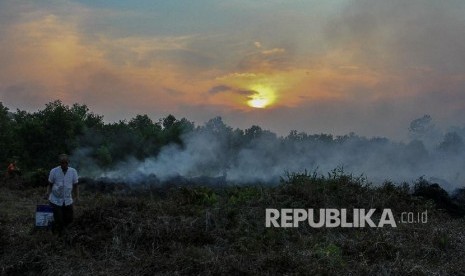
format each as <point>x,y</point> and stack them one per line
<point>174,229</point>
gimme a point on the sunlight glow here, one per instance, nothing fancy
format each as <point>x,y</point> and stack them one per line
<point>263,97</point>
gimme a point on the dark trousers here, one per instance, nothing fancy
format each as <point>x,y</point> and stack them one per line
<point>13,174</point>
<point>63,216</point>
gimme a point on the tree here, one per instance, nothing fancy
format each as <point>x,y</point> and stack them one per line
<point>6,134</point>
<point>104,156</point>
<point>421,126</point>
<point>44,134</point>
<point>218,127</point>
<point>148,135</point>
<point>173,129</point>
<point>254,132</point>
<point>169,121</point>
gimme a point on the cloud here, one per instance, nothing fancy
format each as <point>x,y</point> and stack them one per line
<point>219,89</point>
<point>47,55</point>
<point>267,60</point>
<point>274,51</point>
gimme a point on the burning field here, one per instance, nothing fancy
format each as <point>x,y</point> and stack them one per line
<point>172,198</point>
<point>196,228</point>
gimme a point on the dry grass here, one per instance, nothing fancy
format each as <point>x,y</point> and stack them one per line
<point>206,230</point>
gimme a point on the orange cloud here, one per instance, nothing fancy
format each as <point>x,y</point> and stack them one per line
<point>51,52</point>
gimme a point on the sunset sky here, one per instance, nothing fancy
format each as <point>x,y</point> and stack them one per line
<point>333,66</point>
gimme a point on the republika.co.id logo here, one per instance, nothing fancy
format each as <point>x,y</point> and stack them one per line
<point>332,218</point>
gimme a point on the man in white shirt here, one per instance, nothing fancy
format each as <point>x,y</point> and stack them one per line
<point>63,182</point>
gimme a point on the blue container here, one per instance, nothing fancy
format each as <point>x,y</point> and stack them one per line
<point>44,216</point>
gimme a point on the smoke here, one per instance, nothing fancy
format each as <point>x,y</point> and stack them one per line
<point>256,155</point>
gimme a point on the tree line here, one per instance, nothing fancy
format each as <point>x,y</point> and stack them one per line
<point>36,138</point>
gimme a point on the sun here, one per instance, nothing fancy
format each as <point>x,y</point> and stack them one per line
<point>263,96</point>
<point>258,103</point>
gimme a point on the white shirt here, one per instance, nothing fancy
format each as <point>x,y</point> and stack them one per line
<point>62,185</point>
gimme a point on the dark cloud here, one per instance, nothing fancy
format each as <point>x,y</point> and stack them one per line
<point>224,88</point>
<point>246,92</point>
<point>219,89</point>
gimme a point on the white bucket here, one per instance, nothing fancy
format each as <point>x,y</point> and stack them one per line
<point>44,216</point>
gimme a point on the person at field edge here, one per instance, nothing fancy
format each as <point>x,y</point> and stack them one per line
<point>63,182</point>
<point>13,170</point>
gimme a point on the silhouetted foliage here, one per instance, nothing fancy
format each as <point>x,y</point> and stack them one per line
<point>421,125</point>
<point>6,134</point>
<point>36,138</point>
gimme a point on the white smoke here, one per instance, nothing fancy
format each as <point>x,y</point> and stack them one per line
<point>263,157</point>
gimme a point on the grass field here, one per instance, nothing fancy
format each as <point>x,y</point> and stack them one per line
<point>208,230</point>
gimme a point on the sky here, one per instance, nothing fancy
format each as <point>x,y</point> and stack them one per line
<point>334,66</point>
